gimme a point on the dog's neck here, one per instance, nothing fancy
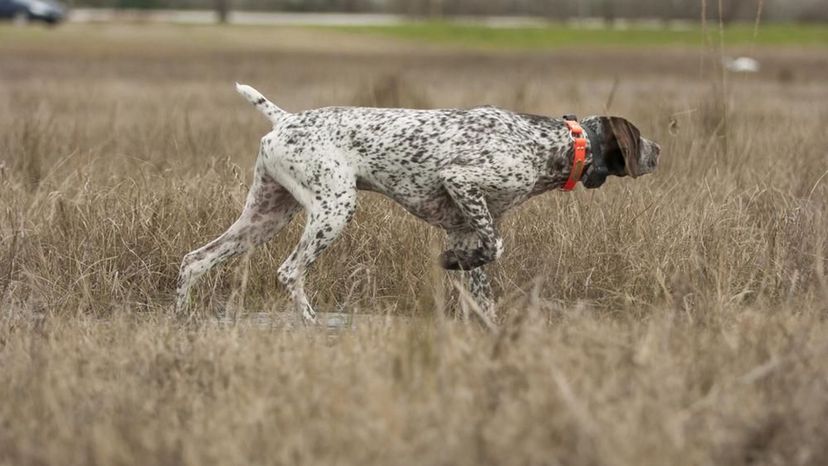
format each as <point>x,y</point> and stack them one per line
<point>593,128</point>
<point>596,172</point>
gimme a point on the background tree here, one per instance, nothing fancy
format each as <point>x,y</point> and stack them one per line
<point>222,9</point>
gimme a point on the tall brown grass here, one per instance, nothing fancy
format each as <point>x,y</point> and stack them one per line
<point>672,319</point>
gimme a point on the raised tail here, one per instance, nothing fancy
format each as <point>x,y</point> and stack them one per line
<point>268,108</point>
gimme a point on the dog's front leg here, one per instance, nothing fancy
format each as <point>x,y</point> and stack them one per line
<point>476,281</point>
<point>481,290</point>
<point>465,186</point>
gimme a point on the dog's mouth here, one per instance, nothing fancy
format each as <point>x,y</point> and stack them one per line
<point>595,176</point>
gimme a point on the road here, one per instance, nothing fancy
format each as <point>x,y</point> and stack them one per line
<point>90,15</point>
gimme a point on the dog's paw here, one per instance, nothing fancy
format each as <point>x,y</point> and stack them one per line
<point>462,260</point>
<point>309,317</point>
<point>450,260</point>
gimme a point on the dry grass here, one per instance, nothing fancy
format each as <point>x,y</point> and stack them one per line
<point>746,387</point>
<point>674,319</point>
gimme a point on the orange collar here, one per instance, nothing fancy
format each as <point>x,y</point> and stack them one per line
<point>579,159</point>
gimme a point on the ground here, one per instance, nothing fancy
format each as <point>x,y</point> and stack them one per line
<point>678,318</point>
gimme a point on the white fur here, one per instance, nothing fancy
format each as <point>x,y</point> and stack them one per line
<point>268,108</point>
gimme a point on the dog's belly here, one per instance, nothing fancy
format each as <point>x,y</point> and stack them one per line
<point>427,199</point>
<point>433,206</point>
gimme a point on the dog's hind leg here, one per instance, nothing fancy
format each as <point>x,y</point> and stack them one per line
<point>330,207</point>
<point>269,207</point>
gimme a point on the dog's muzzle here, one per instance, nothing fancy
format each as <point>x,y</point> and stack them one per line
<point>650,152</point>
<point>595,176</point>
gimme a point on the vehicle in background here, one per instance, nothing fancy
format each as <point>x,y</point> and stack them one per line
<point>48,11</point>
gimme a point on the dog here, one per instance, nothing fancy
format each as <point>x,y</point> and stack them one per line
<point>457,169</point>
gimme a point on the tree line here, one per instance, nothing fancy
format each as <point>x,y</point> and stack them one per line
<point>731,10</point>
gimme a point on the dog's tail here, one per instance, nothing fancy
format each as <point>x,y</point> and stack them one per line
<point>268,108</point>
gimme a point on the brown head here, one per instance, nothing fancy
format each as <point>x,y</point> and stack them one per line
<point>617,149</point>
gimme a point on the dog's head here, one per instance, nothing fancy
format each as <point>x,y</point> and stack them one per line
<point>617,149</point>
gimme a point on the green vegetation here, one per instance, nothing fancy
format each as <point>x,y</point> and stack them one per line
<point>557,35</point>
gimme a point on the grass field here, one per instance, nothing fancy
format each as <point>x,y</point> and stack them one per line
<point>679,318</point>
<point>556,35</point>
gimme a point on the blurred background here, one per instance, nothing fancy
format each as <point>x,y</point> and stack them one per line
<point>607,11</point>
<point>732,10</point>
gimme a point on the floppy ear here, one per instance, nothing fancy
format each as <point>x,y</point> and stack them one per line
<point>628,138</point>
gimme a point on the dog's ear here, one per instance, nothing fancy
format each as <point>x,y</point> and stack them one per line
<point>628,140</point>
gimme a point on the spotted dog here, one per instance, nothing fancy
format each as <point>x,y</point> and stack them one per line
<point>459,170</point>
